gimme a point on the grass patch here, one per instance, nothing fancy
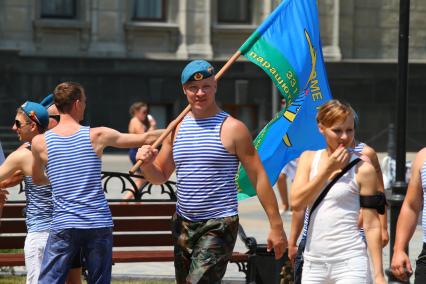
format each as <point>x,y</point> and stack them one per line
<point>11,279</point>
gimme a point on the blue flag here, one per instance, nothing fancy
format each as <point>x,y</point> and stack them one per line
<point>287,47</point>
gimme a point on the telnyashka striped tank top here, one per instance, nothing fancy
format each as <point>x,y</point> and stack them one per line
<point>39,206</point>
<point>423,176</point>
<point>74,171</point>
<point>205,170</point>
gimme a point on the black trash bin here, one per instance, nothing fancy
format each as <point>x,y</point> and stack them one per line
<point>265,269</point>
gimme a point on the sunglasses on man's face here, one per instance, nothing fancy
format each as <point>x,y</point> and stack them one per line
<point>20,124</point>
<point>56,117</point>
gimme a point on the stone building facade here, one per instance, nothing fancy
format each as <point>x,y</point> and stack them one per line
<point>123,51</point>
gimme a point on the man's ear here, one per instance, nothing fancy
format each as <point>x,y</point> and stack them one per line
<point>34,126</point>
<point>77,104</point>
<point>184,89</point>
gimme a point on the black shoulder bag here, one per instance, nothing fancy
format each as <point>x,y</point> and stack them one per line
<point>298,263</point>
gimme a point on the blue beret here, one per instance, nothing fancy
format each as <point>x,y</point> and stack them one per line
<point>196,70</point>
<point>47,101</point>
<point>37,113</point>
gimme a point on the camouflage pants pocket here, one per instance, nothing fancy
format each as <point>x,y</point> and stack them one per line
<point>203,248</point>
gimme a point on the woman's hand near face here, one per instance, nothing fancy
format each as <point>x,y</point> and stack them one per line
<point>337,160</point>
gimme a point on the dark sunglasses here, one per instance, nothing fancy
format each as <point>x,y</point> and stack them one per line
<point>56,117</point>
<point>19,124</point>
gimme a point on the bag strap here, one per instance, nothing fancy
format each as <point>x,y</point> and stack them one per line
<point>328,187</point>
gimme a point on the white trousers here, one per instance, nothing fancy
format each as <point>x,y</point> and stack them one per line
<point>355,270</point>
<point>35,243</point>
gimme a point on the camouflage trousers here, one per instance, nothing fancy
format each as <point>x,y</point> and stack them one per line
<point>203,248</point>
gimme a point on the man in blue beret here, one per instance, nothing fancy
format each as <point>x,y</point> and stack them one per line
<point>54,118</point>
<point>37,204</point>
<point>31,119</point>
<point>205,150</point>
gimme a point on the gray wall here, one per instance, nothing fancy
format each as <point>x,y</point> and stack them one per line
<point>113,84</point>
<point>369,28</point>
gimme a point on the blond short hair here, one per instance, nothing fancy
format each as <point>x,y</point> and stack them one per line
<point>334,111</point>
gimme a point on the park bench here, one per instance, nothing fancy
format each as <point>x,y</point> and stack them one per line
<point>145,222</point>
<point>141,228</point>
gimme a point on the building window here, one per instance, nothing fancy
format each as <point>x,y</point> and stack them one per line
<point>149,10</point>
<point>235,11</point>
<point>63,9</point>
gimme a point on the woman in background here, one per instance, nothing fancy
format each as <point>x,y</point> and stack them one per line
<point>141,121</point>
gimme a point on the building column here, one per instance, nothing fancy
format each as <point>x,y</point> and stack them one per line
<point>182,51</point>
<point>194,25</point>
<point>333,51</point>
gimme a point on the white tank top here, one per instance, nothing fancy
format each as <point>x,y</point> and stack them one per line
<point>333,233</point>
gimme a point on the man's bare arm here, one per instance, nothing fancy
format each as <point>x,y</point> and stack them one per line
<point>11,165</point>
<point>157,167</point>
<point>102,137</point>
<point>250,160</point>
<point>15,179</point>
<point>39,151</point>
<point>407,219</point>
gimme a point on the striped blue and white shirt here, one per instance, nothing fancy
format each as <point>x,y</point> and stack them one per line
<point>39,206</point>
<point>74,171</point>
<point>205,170</point>
<point>423,177</point>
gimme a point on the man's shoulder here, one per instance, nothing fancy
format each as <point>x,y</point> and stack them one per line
<point>422,153</point>
<point>39,141</point>
<point>104,136</point>
<point>100,130</point>
<point>20,154</point>
<point>235,129</point>
<point>420,157</point>
<point>232,124</point>
<point>22,151</point>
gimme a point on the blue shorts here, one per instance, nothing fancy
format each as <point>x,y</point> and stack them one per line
<point>64,245</point>
<point>132,155</point>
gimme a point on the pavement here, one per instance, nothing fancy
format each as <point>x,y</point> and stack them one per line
<point>252,218</point>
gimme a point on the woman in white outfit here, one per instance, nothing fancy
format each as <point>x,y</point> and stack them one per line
<point>335,251</point>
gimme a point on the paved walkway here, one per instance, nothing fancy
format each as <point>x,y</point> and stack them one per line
<point>252,218</point>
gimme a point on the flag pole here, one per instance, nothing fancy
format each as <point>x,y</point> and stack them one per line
<point>172,125</point>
